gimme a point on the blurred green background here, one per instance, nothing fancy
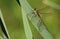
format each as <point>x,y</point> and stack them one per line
<point>13,18</point>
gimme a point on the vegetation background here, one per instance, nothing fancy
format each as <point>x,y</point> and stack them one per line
<point>13,18</point>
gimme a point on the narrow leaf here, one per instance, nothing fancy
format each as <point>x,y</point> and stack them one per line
<point>26,26</point>
<point>36,21</point>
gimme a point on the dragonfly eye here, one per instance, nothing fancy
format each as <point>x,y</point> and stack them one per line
<point>34,8</point>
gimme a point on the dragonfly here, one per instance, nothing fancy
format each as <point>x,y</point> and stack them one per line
<point>36,12</point>
<point>35,19</point>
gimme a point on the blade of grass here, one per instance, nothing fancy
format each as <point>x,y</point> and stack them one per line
<point>26,26</point>
<point>36,21</point>
<point>4,28</point>
<point>51,4</point>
